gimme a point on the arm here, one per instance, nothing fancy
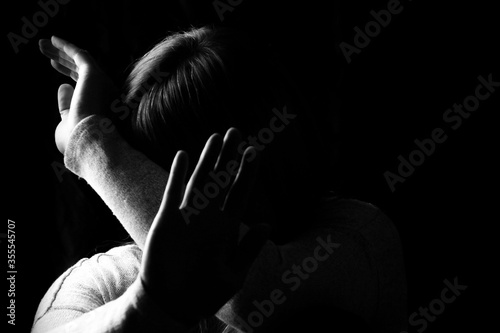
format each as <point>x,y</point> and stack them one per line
<point>129,183</point>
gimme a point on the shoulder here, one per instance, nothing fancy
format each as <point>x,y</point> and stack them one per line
<point>366,228</point>
<point>351,214</point>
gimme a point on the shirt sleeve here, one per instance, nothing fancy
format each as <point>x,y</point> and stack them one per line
<point>132,312</point>
<point>88,285</point>
<point>129,183</point>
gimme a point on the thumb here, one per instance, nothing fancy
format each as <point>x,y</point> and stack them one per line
<point>64,96</point>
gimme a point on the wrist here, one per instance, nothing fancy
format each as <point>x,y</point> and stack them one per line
<point>78,143</point>
<point>93,137</point>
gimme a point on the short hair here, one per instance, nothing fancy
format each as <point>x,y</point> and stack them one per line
<point>205,91</point>
<point>218,78</point>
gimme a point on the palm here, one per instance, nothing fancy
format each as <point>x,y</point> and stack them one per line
<point>200,259</point>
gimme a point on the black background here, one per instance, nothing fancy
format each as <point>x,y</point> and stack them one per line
<point>371,110</point>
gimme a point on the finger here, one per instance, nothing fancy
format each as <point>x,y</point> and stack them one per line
<point>64,95</point>
<point>46,47</point>
<point>174,192</point>
<point>79,56</point>
<point>226,161</point>
<point>52,52</point>
<point>64,70</point>
<point>237,197</point>
<point>172,197</point>
<point>229,148</point>
<point>48,50</point>
<point>206,163</point>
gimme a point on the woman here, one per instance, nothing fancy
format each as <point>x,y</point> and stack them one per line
<point>342,253</point>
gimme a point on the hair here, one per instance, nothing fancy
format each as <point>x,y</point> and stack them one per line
<point>213,79</point>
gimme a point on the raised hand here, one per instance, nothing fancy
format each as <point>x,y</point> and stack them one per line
<point>91,93</point>
<point>192,267</point>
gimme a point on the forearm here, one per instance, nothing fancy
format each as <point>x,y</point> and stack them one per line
<point>127,181</point>
<point>132,312</point>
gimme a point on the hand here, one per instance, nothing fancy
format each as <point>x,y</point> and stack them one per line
<point>192,267</point>
<point>92,90</point>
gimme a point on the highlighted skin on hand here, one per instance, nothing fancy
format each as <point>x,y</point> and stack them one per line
<point>91,93</point>
<point>191,269</point>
